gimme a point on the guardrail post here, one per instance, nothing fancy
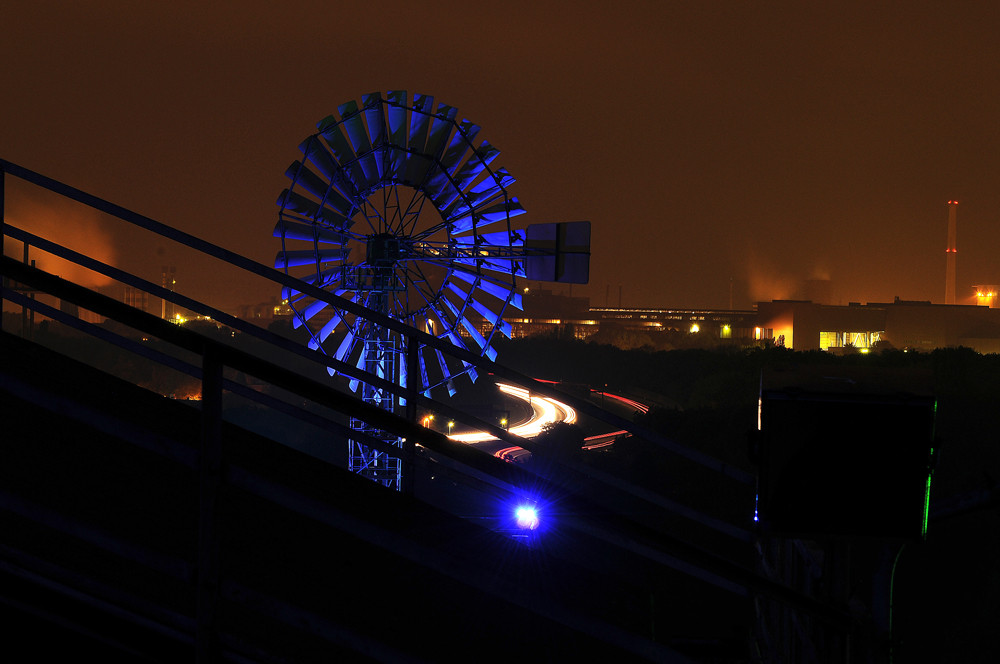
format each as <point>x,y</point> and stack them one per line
<point>209,479</point>
<point>25,323</point>
<point>3,235</point>
<point>412,380</point>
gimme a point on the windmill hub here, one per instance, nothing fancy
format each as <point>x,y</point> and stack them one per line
<point>386,249</point>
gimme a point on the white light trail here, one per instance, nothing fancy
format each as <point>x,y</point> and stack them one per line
<point>544,411</point>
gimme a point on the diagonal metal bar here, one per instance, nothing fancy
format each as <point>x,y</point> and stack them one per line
<point>386,321</point>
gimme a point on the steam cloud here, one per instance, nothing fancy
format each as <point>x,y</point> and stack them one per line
<point>67,223</point>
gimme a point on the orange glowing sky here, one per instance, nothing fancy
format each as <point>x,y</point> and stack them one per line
<point>761,142</point>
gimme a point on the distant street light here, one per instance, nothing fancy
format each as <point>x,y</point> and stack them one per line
<point>451,425</point>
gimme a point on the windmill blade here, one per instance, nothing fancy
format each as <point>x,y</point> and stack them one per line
<point>470,327</point>
<point>330,130</point>
<point>500,239</point>
<point>481,194</point>
<point>459,145</point>
<point>298,258</point>
<point>421,164</point>
<point>441,126</point>
<point>413,170</point>
<point>499,212</point>
<point>374,110</point>
<point>470,170</point>
<point>499,180</point>
<point>346,346</point>
<point>446,373</point>
<point>396,117</point>
<point>481,309</point>
<point>299,204</point>
<point>313,309</point>
<point>292,230</point>
<point>497,321</point>
<point>360,364</point>
<point>327,329</point>
<point>419,122</point>
<point>511,266</point>
<point>399,160</point>
<point>403,372</point>
<point>447,326</point>
<point>344,349</point>
<point>322,279</point>
<point>449,332</point>
<point>498,289</point>
<point>456,340</point>
<point>441,183</point>
<point>314,151</point>
<point>333,135</point>
<point>303,317</point>
<point>355,127</point>
<point>325,191</point>
<point>358,135</point>
<point>425,383</point>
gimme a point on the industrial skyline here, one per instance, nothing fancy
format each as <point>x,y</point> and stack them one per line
<point>706,144</point>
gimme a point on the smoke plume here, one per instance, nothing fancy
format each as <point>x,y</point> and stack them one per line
<point>64,222</point>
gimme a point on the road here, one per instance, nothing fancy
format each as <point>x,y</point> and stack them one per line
<point>544,411</point>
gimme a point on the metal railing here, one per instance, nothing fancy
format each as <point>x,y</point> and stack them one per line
<point>624,519</point>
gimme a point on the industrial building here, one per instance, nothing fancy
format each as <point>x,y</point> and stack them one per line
<point>794,324</point>
<point>902,324</point>
<point>809,323</point>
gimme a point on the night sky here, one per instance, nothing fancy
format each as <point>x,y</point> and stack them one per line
<point>767,143</point>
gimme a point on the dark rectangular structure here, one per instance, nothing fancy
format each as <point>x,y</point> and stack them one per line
<point>845,464</point>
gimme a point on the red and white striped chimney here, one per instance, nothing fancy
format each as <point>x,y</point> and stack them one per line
<point>949,278</point>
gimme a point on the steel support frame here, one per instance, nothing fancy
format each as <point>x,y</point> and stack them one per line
<point>381,357</point>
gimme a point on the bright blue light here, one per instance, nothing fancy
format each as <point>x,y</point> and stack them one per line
<point>527,517</point>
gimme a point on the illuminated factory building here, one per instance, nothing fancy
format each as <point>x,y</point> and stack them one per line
<point>794,324</point>
<point>906,325</point>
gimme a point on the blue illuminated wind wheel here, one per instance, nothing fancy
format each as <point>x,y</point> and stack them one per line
<point>396,208</point>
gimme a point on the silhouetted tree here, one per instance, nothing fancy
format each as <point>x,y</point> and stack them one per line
<point>560,440</point>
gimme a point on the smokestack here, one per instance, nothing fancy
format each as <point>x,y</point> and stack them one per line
<point>949,279</point>
<point>168,281</point>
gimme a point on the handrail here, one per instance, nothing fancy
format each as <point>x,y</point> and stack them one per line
<point>659,547</point>
<point>253,365</point>
<point>321,358</point>
<point>582,472</point>
<point>626,532</point>
<point>411,334</point>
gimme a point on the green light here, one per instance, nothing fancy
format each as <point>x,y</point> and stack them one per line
<point>927,494</point>
<point>930,473</point>
<point>927,507</point>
